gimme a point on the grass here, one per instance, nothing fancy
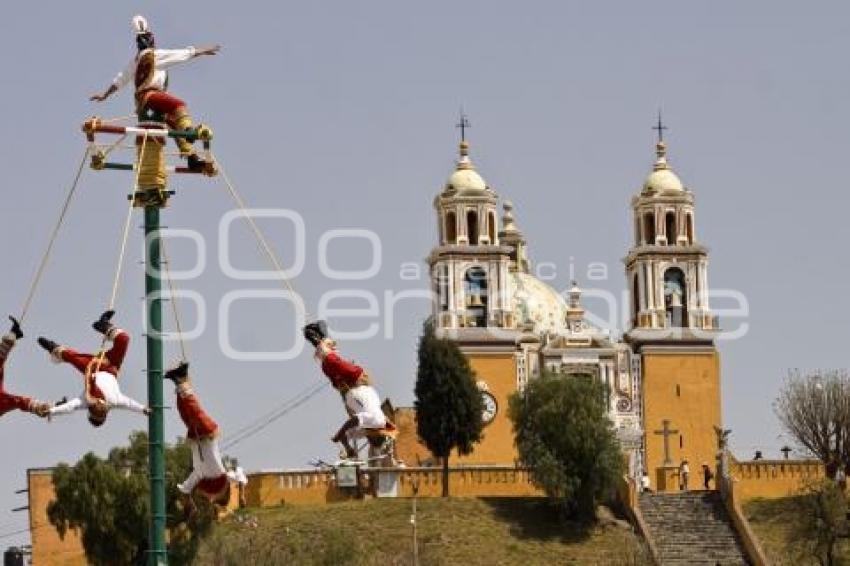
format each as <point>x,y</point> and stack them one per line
<point>453,531</point>
<point>772,521</point>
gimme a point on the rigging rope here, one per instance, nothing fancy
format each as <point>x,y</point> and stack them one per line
<point>256,229</point>
<point>123,251</point>
<point>173,299</point>
<point>270,417</point>
<point>43,265</point>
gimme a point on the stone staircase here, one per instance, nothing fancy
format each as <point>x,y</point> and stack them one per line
<point>691,528</point>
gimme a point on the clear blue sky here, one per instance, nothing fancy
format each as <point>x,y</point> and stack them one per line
<point>344,112</point>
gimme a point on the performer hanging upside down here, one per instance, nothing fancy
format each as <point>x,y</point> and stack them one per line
<point>209,475</point>
<point>148,73</point>
<point>9,402</point>
<point>101,392</point>
<point>366,418</point>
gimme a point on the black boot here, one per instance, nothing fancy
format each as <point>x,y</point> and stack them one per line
<point>16,328</point>
<point>104,324</point>
<point>196,163</point>
<point>179,374</point>
<point>315,332</point>
<point>47,344</point>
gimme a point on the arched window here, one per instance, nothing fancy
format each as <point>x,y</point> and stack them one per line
<point>670,226</point>
<point>690,226</point>
<point>451,228</point>
<point>491,228</point>
<point>676,297</point>
<point>475,284</point>
<point>649,228</point>
<point>472,227</point>
<point>635,300</point>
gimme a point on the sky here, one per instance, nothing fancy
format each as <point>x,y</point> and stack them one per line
<point>343,114</point>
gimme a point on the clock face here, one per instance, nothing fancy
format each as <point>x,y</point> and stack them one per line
<point>490,407</point>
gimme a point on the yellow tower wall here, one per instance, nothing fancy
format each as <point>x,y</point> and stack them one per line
<point>47,548</point>
<point>683,385</point>
<point>498,371</point>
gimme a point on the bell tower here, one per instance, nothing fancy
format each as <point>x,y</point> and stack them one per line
<point>469,266</point>
<point>472,303</point>
<point>672,329</point>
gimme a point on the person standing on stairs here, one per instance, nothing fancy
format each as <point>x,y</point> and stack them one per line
<point>684,473</point>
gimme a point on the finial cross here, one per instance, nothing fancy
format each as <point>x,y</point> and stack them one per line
<point>463,124</point>
<point>660,127</point>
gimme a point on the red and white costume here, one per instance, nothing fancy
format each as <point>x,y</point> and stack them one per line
<point>208,472</point>
<point>147,71</point>
<point>101,376</point>
<point>361,399</point>
<point>9,402</point>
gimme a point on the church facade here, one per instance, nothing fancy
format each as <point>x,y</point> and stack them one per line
<point>662,374</point>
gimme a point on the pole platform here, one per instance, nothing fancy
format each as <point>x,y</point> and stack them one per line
<point>95,125</point>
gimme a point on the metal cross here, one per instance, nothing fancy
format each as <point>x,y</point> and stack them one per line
<point>463,125</point>
<point>666,431</point>
<point>660,127</point>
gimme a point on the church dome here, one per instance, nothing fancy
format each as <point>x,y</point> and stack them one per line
<point>662,180</point>
<point>536,302</point>
<point>465,179</point>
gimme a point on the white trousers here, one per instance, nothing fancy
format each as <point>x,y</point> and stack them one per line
<point>206,463</point>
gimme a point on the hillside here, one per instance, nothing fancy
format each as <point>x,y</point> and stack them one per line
<point>771,521</point>
<point>453,531</point>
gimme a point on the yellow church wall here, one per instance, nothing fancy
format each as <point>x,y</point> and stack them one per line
<point>772,479</point>
<point>684,387</point>
<point>47,548</point>
<point>497,445</point>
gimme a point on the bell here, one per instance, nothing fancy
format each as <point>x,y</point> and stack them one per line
<point>474,301</point>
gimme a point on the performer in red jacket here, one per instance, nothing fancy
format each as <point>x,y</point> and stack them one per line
<point>101,392</point>
<point>9,402</point>
<point>209,475</point>
<point>366,417</point>
<point>148,73</point>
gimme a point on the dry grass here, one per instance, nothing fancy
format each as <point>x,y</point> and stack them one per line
<point>453,531</point>
<point>772,521</point>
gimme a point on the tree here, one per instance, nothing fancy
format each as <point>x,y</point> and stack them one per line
<point>821,521</point>
<point>108,501</point>
<point>815,409</point>
<point>565,437</point>
<point>448,403</point>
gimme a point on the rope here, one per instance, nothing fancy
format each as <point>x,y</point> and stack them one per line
<point>43,265</point>
<point>278,413</point>
<point>122,253</point>
<point>173,301</point>
<point>256,229</point>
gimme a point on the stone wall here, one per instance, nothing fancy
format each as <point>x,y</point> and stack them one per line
<point>772,479</point>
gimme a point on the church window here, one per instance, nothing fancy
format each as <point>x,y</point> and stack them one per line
<point>690,226</point>
<point>681,441</point>
<point>635,300</point>
<point>472,227</point>
<point>678,390</point>
<point>649,228</point>
<point>475,283</point>
<point>670,225</point>
<point>491,228</point>
<point>675,297</point>
<point>451,228</point>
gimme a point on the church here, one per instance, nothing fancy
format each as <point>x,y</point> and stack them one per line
<point>662,374</point>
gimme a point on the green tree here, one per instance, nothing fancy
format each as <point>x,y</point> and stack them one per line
<point>448,403</point>
<point>565,437</point>
<point>108,502</point>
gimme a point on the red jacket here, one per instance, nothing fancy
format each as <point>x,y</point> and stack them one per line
<point>340,371</point>
<point>198,423</point>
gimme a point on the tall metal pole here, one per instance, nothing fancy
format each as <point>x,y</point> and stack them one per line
<point>158,552</point>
